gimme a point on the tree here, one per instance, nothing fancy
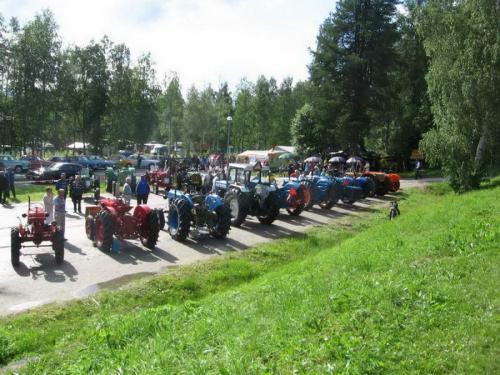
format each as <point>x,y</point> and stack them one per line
<point>36,61</point>
<point>354,54</point>
<point>171,112</point>
<point>461,39</point>
<point>305,135</point>
<point>243,132</point>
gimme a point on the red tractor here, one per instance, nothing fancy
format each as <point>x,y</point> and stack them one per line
<point>160,179</point>
<point>112,217</point>
<point>384,182</point>
<point>36,231</point>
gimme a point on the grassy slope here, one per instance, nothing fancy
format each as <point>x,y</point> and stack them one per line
<point>418,295</point>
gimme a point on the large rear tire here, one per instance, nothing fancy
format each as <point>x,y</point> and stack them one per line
<point>308,199</point>
<point>238,207</point>
<point>273,210</point>
<point>299,203</point>
<point>104,231</point>
<point>153,230</point>
<point>58,246</point>
<point>179,220</point>
<point>161,217</point>
<point>15,247</point>
<point>222,224</point>
<point>369,188</point>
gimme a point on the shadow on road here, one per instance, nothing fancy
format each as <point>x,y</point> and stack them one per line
<point>74,249</point>
<point>47,269</point>
<point>130,253</point>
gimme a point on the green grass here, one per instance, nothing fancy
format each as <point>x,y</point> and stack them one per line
<point>417,295</point>
<point>35,192</point>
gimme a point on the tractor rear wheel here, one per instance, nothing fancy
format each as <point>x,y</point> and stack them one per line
<point>161,217</point>
<point>58,246</point>
<point>273,210</point>
<point>299,203</point>
<point>15,247</point>
<point>179,220</point>
<point>153,230</point>
<point>104,231</point>
<point>307,189</point>
<point>369,188</point>
<point>90,227</point>
<point>222,224</point>
<point>237,206</point>
<point>330,199</point>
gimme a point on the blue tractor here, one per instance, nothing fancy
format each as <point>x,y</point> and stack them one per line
<point>248,191</point>
<point>192,208</point>
<point>320,190</point>
<point>348,190</point>
<point>291,197</point>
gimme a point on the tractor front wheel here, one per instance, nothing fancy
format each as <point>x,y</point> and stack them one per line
<point>237,206</point>
<point>179,220</point>
<point>330,199</point>
<point>222,223</point>
<point>273,210</point>
<point>15,247</point>
<point>104,231</point>
<point>58,246</point>
<point>153,230</point>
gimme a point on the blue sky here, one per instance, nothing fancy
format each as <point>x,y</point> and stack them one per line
<point>203,41</point>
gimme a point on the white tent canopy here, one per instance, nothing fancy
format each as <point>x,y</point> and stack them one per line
<point>78,146</point>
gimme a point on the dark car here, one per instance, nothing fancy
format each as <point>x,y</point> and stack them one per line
<point>56,159</point>
<point>54,171</point>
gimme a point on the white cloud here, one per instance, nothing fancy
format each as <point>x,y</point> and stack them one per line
<point>204,41</point>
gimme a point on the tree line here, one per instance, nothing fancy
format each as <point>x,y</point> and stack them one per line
<point>380,80</point>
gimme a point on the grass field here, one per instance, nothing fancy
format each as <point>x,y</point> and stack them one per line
<point>35,192</point>
<point>416,295</point>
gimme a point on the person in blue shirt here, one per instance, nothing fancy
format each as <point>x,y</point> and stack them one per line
<point>142,191</point>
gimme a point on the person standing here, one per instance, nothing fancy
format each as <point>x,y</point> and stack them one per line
<point>76,192</point>
<point>418,166</point>
<point>127,191</point>
<point>139,161</point>
<point>142,191</point>
<point>60,210</point>
<point>48,205</point>
<point>4,186</point>
<point>62,183</point>
<point>11,178</point>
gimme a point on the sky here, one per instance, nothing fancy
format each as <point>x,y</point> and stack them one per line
<point>203,41</point>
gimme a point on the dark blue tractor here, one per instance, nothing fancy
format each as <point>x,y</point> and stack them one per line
<point>348,190</point>
<point>366,184</point>
<point>194,209</point>
<point>320,190</point>
<point>291,197</point>
<point>248,191</point>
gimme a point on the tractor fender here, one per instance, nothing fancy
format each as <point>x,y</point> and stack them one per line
<point>213,201</point>
<point>112,211</point>
<point>141,213</point>
<point>174,194</point>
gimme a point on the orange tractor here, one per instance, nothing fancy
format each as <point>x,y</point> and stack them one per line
<point>35,230</point>
<point>112,218</point>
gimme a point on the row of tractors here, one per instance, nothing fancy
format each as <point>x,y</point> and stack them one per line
<point>197,201</point>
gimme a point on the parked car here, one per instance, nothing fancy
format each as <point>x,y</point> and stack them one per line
<point>18,166</point>
<point>98,162</point>
<point>36,162</point>
<point>131,161</point>
<point>79,159</point>
<point>54,171</point>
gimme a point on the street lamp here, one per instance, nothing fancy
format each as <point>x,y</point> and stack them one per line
<point>229,119</point>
